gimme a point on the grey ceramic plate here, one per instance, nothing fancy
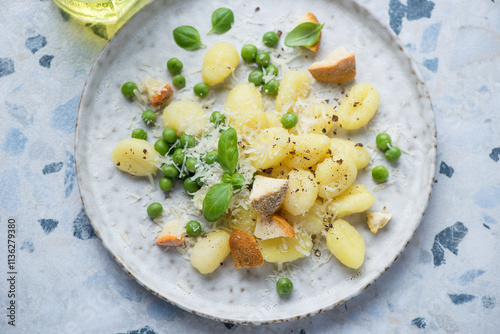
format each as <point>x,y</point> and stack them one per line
<point>248,296</point>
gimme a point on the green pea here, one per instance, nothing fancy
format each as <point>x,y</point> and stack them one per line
<point>174,65</point>
<point>166,183</point>
<point>272,69</point>
<point>383,140</point>
<point>191,165</point>
<point>193,228</point>
<point>178,156</point>
<point>169,170</point>
<point>217,118</point>
<point>201,89</point>
<point>139,134</point>
<point>393,153</point>
<point>272,87</point>
<point>169,135</point>
<point>270,38</point>
<point>199,182</point>
<point>148,116</point>
<point>284,286</point>
<point>263,59</point>
<point>154,210</point>
<point>256,77</point>
<point>128,89</point>
<point>161,146</point>
<point>211,157</point>
<point>380,174</point>
<point>289,120</point>
<point>187,141</point>
<point>249,52</point>
<point>179,81</point>
<point>237,180</point>
<point>190,185</point>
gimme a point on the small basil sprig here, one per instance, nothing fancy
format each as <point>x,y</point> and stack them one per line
<point>222,20</point>
<point>218,197</point>
<point>228,150</point>
<point>305,34</point>
<point>187,38</point>
<point>216,201</point>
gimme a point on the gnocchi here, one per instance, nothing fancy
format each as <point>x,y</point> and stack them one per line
<point>295,85</point>
<point>135,156</point>
<point>286,249</point>
<point>335,175</point>
<point>346,244</point>
<point>307,150</point>
<point>358,108</point>
<point>209,252</point>
<point>272,146</point>
<point>244,107</point>
<point>219,62</point>
<point>185,117</point>
<point>354,199</point>
<point>356,151</point>
<point>302,191</point>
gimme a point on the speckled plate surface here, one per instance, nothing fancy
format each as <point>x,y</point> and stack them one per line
<point>248,296</point>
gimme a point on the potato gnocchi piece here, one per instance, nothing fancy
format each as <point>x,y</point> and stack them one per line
<point>274,119</point>
<point>354,199</point>
<point>135,156</point>
<point>272,147</point>
<point>302,191</point>
<point>208,253</point>
<point>285,249</point>
<point>346,244</point>
<point>185,117</point>
<point>244,109</point>
<point>358,107</point>
<point>244,220</point>
<point>307,150</point>
<point>219,62</point>
<point>335,175</point>
<point>312,222</point>
<point>315,118</point>
<point>295,85</point>
<point>356,151</point>
<point>277,172</point>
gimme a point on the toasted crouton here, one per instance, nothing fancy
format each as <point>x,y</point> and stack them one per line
<point>338,67</point>
<point>244,250</point>
<point>268,194</point>
<point>171,235</point>
<point>377,220</point>
<point>273,227</point>
<point>159,93</point>
<point>310,17</point>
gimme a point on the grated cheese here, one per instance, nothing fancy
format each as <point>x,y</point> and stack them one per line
<point>124,237</point>
<point>184,287</point>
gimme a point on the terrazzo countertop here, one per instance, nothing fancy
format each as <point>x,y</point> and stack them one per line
<point>64,281</point>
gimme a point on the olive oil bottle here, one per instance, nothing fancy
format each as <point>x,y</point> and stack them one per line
<point>109,13</point>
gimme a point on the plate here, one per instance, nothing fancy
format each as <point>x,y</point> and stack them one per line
<point>142,48</point>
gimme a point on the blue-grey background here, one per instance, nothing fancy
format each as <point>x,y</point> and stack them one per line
<point>446,281</point>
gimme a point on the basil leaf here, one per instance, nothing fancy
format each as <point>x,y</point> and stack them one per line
<point>216,201</point>
<point>222,20</point>
<point>305,34</point>
<point>228,150</point>
<point>187,38</point>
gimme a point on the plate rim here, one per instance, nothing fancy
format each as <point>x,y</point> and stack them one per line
<point>432,169</point>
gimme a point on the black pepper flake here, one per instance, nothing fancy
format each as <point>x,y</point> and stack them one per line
<point>280,33</point>
<point>317,252</point>
<point>323,130</point>
<point>144,151</point>
<point>327,100</point>
<point>339,161</point>
<point>335,118</point>
<point>356,104</point>
<point>278,55</point>
<point>257,9</point>
<point>358,145</point>
<point>343,91</point>
<point>118,164</point>
<point>268,171</point>
<point>307,151</point>
<point>330,225</point>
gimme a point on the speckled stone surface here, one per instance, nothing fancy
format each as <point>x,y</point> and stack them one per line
<point>446,281</point>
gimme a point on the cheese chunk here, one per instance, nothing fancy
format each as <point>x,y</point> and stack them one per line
<point>267,194</point>
<point>273,227</point>
<point>377,220</point>
<point>338,67</point>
